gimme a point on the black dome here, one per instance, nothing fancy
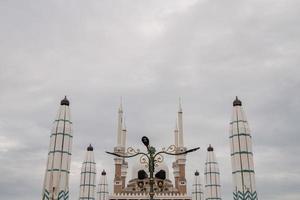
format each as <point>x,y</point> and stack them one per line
<point>65,101</point>
<point>90,148</point>
<point>103,173</point>
<point>196,173</point>
<point>237,102</point>
<point>210,148</point>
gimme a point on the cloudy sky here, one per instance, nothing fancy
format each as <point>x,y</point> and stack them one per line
<point>150,53</point>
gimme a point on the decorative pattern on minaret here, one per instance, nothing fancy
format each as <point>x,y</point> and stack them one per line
<point>241,155</point>
<point>88,176</point>
<point>56,181</point>
<point>197,192</point>
<point>102,193</point>
<point>212,176</point>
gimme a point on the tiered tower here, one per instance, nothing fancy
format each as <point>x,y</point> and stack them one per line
<point>241,155</point>
<point>88,176</point>
<point>212,176</point>
<point>180,159</point>
<point>197,192</point>
<point>120,164</point>
<point>56,181</point>
<point>102,193</point>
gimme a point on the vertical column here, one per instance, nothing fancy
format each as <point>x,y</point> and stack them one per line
<point>56,181</point>
<point>88,176</point>
<point>181,159</point>
<point>241,155</point>
<point>102,187</point>
<point>212,176</point>
<point>175,164</point>
<point>197,192</point>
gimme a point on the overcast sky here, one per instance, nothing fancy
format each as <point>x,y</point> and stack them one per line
<point>150,53</point>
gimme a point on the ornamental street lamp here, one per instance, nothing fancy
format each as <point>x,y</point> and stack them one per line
<point>151,158</point>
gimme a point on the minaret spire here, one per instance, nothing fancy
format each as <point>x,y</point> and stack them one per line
<point>212,176</point>
<point>120,123</point>
<point>180,125</point>
<point>88,176</point>
<point>102,187</point>
<point>56,181</point>
<point>241,155</point>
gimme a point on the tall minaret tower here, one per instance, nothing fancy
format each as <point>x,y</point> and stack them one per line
<point>119,149</point>
<point>241,155</point>
<point>175,164</point>
<point>56,181</point>
<point>181,159</point>
<point>197,188</point>
<point>124,166</point>
<point>88,176</point>
<point>102,187</point>
<point>212,176</point>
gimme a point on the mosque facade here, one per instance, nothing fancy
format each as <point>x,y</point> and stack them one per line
<point>137,187</point>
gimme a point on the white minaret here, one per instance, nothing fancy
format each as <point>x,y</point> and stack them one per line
<point>241,155</point>
<point>102,193</point>
<point>212,176</point>
<point>120,163</point>
<point>88,176</point>
<point>124,166</point>
<point>175,164</point>
<point>56,181</point>
<point>181,159</point>
<point>197,192</point>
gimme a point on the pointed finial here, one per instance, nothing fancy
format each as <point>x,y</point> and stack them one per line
<point>196,173</point>
<point>179,106</point>
<point>103,172</point>
<point>90,148</point>
<point>210,148</point>
<point>65,101</point>
<point>237,102</point>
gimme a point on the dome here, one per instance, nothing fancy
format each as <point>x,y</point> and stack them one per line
<point>237,102</point>
<point>138,167</point>
<point>210,148</point>
<point>90,148</point>
<point>65,102</point>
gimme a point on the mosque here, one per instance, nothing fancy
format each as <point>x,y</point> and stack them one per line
<point>137,187</point>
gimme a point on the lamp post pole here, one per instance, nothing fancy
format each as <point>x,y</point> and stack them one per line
<point>151,158</point>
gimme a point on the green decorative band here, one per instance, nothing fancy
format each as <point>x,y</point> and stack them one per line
<point>58,170</point>
<point>241,152</point>
<point>212,185</point>
<point>59,151</point>
<point>102,192</point>
<point>89,198</point>
<point>88,185</point>
<point>87,162</point>
<point>236,121</point>
<point>240,134</point>
<point>211,163</point>
<point>198,192</point>
<point>102,184</point>
<point>63,120</point>
<point>244,170</point>
<point>211,173</point>
<point>211,198</point>
<point>65,134</point>
<point>87,172</point>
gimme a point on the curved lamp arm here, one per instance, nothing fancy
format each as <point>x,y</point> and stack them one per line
<point>176,154</point>
<point>123,156</point>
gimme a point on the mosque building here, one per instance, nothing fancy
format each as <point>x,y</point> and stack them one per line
<point>137,187</point>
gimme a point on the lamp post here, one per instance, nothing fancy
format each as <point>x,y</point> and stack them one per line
<point>151,158</point>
